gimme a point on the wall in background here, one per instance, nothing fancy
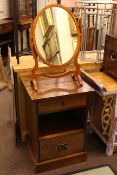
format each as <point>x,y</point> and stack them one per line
<point>5,9</point>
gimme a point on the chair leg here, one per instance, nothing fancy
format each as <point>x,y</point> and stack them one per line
<point>21,41</point>
<point>28,45</point>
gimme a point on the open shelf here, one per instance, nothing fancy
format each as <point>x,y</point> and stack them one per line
<point>62,121</point>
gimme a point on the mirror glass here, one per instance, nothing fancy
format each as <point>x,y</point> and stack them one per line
<point>55,35</point>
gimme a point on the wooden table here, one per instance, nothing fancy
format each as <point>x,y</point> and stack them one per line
<point>54,121</point>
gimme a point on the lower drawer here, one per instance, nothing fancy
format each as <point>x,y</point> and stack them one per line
<point>60,145</point>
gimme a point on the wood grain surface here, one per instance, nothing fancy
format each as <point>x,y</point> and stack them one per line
<point>109,83</point>
<point>54,87</point>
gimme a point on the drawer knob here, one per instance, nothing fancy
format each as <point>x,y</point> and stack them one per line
<point>114,56</point>
<point>62,147</point>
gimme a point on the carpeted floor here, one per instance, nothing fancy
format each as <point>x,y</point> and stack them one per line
<point>15,160</point>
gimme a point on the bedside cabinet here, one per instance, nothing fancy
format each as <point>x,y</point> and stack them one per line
<point>53,121</point>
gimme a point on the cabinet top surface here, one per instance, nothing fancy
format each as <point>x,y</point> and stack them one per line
<point>27,63</point>
<point>54,87</point>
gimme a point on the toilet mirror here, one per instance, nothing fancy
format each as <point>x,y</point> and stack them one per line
<point>55,37</point>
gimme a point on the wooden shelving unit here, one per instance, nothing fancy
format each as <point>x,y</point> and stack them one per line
<point>23,10</point>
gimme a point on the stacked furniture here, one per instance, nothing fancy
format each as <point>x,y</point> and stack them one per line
<point>103,108</point>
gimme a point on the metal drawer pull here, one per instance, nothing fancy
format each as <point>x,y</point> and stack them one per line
<point>62,147</point>
<point>114,56</point>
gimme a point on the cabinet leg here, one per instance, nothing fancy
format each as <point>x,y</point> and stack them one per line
<point>109,149</point>
<point>110,145</point>
<point>16,134</point>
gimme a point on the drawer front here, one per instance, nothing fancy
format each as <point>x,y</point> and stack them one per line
<point>62,104</point>
<point>61,146</point>
<point>6,28</point>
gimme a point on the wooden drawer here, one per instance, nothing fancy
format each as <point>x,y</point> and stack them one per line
<point>62,103</point>
<point>59,145</point>
<point>5,28</point>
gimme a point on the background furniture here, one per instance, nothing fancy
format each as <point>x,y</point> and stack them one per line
<point>6,38</point>
<point>103,108</point>
<point>24,11</point>
<point>2,74</point>
<point>24,25</point>
<point>97,18</point>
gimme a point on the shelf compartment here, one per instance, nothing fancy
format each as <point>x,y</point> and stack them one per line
<point>62,121</point>
<point>61,144</point>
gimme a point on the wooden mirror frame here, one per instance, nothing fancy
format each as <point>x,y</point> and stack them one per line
<point>35,51</point>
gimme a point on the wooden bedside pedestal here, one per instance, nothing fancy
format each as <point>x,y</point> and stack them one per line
<point>54,121</point>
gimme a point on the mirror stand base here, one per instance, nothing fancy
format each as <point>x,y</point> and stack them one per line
<point>34,85</point>
<point>77,77</point>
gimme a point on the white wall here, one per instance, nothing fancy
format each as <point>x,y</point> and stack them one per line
<point>41,4</point>
<point>4,9</point>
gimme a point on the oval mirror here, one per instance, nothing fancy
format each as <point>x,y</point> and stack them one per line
<point>55,39</point>
<point>56,35</point>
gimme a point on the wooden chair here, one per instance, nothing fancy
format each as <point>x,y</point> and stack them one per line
<point>24,25</point>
